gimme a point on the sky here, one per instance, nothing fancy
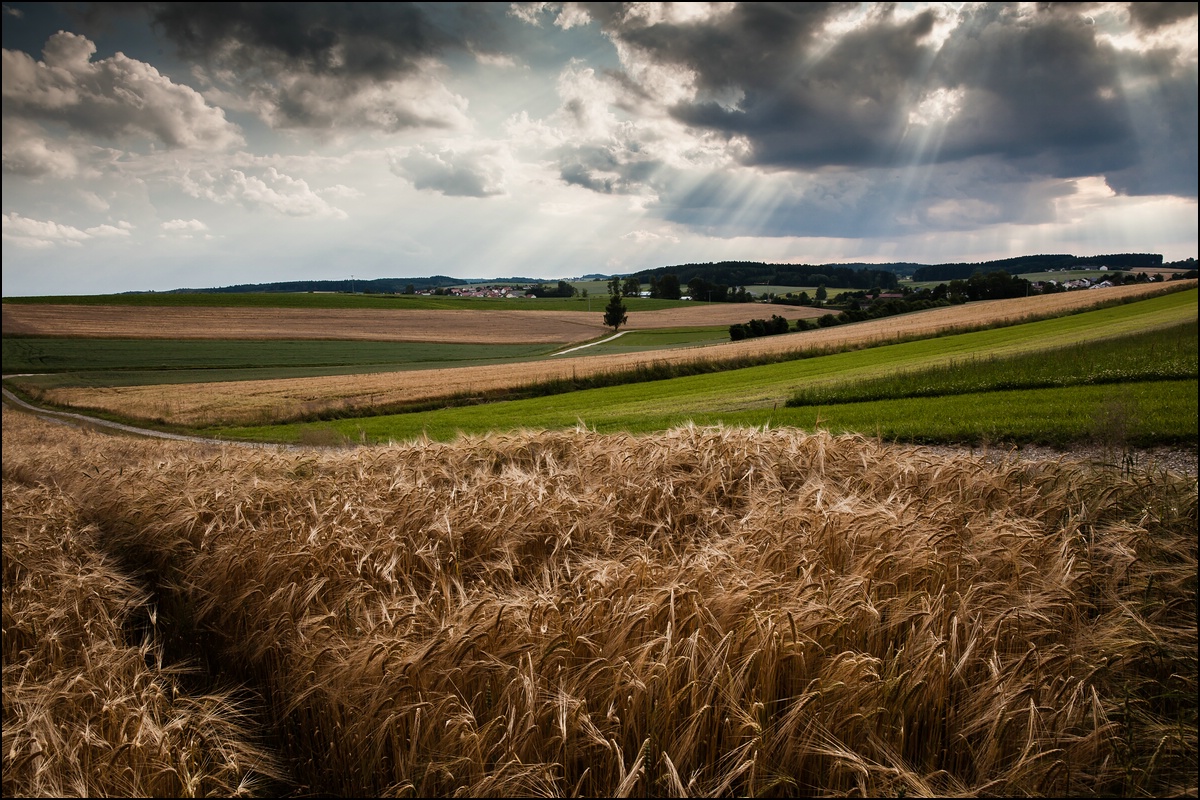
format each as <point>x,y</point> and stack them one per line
<point>156,146</point>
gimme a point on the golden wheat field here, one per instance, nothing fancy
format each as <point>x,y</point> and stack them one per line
<point>258,401</point>
<point>702,612</point>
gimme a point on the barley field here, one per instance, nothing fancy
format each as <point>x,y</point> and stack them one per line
<point>701,612</point>
<point>279,400</point>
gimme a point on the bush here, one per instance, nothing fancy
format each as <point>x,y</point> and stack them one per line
<point>759,327</point>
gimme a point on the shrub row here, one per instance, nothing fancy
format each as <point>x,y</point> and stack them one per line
<point>759,327</point>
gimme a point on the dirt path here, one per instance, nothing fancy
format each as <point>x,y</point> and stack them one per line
<point>591,344</point>
<point>84,421</point>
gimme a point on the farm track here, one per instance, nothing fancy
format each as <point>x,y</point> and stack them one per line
<point>262,401</point>
<point>90,422</point>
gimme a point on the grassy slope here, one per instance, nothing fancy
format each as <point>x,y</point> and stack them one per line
<point>1160,354</point>
<point>756,395</point>
<point>661,339</point>
<point>1147,414</point>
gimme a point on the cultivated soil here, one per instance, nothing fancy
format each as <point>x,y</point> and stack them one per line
<point>383,325</point>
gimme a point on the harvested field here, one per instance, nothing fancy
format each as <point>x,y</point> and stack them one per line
<point>265,401</point>
<point>705,612</point>
<point>285,323</point>
<point>414,325</point>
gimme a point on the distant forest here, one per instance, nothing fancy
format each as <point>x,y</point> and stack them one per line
<point>1039,263</point>
<point>373,286</point>
<point>714,278</point>
<point>727,274</point>
<point>883,276</point>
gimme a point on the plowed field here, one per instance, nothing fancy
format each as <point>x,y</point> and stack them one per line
<point>414,325</point>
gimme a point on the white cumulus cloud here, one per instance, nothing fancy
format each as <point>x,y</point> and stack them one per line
<point>185,225</point>
<point>39,234</point>
<point>272,190</point>
<point>116,98</point>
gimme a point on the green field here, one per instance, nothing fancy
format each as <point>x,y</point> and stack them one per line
<point>1154,411</point>
<point>139,362</point>
<point>661,339</point>
<point>1166,354</point>
<point>133,362</point>
<point>1143,414</point>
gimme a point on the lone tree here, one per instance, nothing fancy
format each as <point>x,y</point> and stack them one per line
<point>614,312</point>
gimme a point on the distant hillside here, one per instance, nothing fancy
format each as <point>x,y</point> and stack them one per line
<point>859,275</point>
<point>374,286</point>
<point>729,274</point>
<point>1038,263</point>
<point>721,274</point>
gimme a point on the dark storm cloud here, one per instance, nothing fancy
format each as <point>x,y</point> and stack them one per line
<point>329,66</point>
<point>734,50</point>
<point>1040,86</point>
<point>1037,87</point>
<point>804,101</point>
<point>361,39</point>
<point>1165,127</point>
<point>1044,89</point>
<point>1155,15</point>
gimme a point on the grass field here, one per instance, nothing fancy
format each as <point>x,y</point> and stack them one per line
<point>72,361</point>
<point>633,341</point>
<point>1152,413</point>
<point>1160,354</point>
<point>758,395</point>
<point>133,362</point>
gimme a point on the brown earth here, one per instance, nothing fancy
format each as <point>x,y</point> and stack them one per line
<point>385,325</point>
<point>263,401</point>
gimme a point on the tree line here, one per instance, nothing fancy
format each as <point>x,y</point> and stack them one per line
<point>1037,263</point>
<point>712,278</point>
